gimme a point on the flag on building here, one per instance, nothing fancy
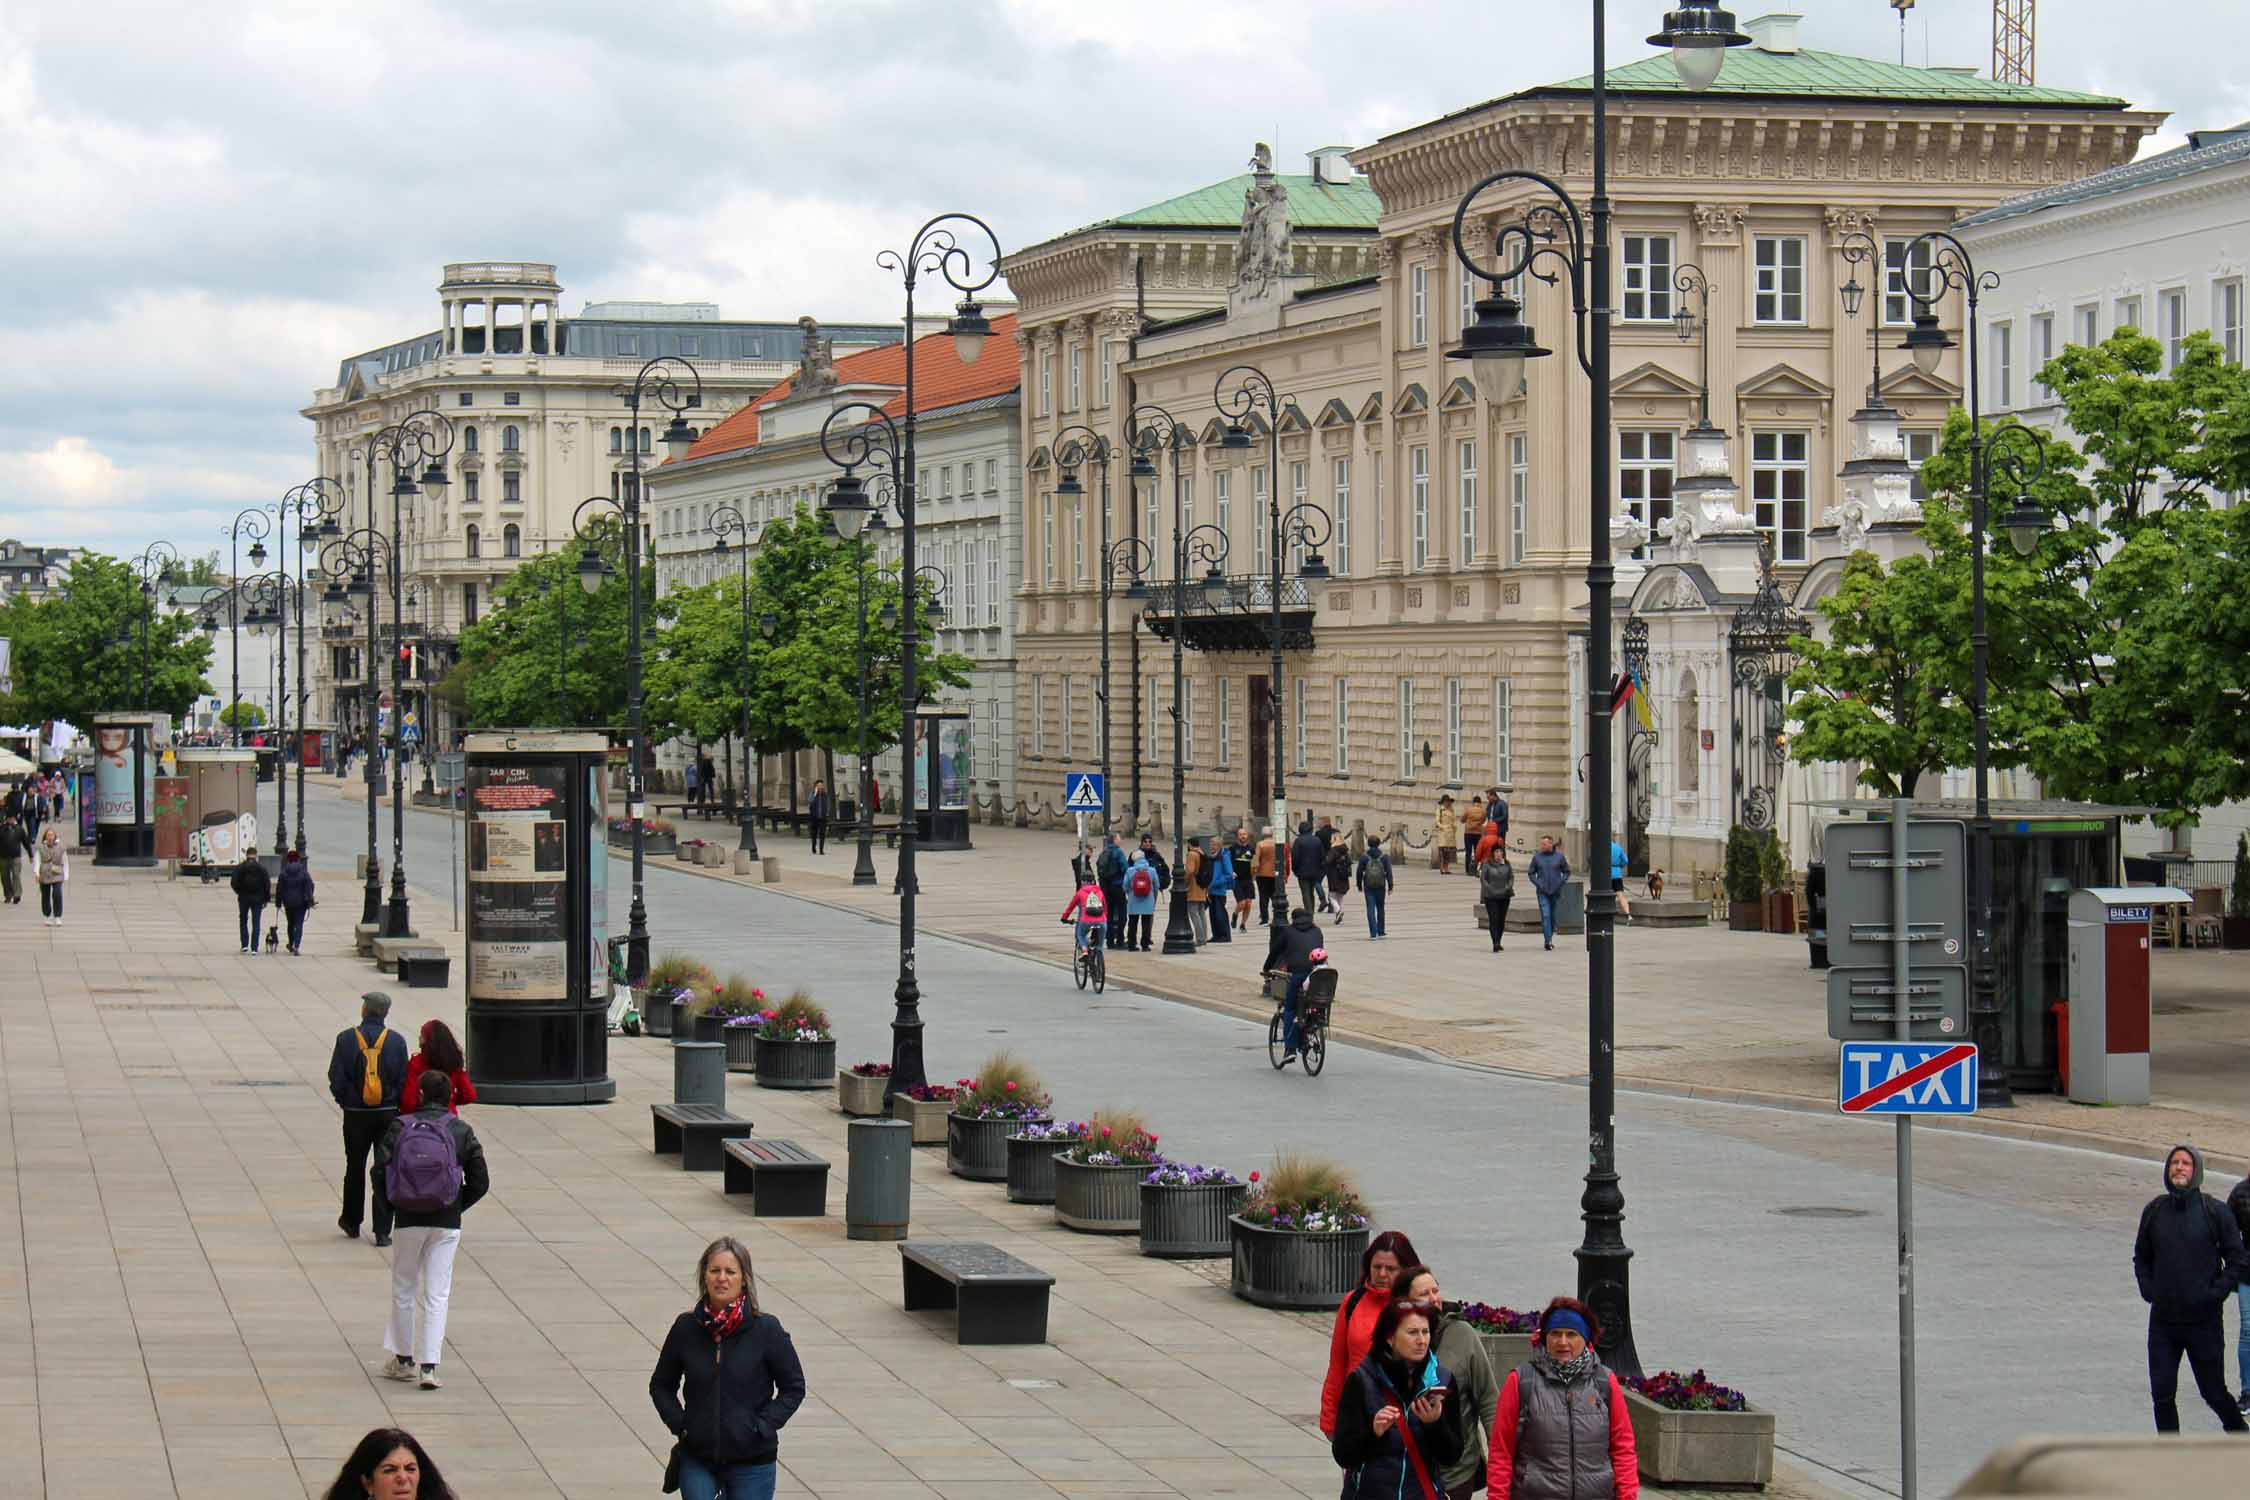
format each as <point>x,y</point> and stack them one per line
<point>1628,689</point>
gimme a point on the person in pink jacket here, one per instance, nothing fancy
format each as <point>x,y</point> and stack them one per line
<point>1562,1428</point>
<point>1090,912</point>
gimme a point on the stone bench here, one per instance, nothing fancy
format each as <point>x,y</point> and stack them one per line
<point>1672,911</point>
<point>385,950</point>
<point>696,1133</point>
<point>996,1298</point>
<point>425,967</point>
<point>783,1179</point>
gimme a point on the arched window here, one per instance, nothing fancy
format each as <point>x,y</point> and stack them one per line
<point>511,541</point>
<point>617,440</point>
<point>644,440</point>
<point>468,440</point>
<point>474,549</point>
<point>511,440</point>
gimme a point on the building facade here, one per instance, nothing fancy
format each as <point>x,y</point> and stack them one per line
<point>32,570</point>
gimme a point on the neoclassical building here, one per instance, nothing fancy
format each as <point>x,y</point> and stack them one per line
<point>1437,654</point>
<point>538,426</point>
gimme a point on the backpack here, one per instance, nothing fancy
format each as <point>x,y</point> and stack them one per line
<point>424,1175</point>
<point>1110,865</point>
<point>1143,883</point>
<point>1375,872</point>
<point>371,1084</point>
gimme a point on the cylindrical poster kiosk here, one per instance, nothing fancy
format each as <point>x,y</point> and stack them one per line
<point>537,868</point>
<point>127,747</point>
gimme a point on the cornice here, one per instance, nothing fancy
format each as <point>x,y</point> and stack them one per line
<point>2063,219</point>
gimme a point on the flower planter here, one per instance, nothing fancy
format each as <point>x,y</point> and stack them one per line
<point>708,1028</point>
<point>1507,1351</point>
<point>1031,1168</point>
<point>656,1014</point>
<point>654,844</point>
<point>927,1116</point>
<point>795,1065</point>
<point>1701,1447</point>
<point>858,1094</point>
<point>978,1149</point>
<point>683,1020</point>
<point>1291,1269</point>
<point>1098,1200</point>
<point>742,1048</point>
<point>1781,911</point>
<point>1189,1223</point>
<point>685,853</point>
<point>1746,916</point>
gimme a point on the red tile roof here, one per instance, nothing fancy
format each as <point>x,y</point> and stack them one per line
<point>940,380</point>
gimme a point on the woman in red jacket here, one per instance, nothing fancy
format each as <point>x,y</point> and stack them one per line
<point>1354,1333</point>
<point>1562,1427</point>
<point>442,1052</point>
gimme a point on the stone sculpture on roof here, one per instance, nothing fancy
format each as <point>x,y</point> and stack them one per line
<point>1261,257</point>
<point>816,362</point>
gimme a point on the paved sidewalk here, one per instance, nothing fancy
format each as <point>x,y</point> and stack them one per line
<point>181,1317</point>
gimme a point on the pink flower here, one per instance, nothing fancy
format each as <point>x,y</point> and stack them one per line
<point>1253,1177</point>
<point>1152,1138</point>
<point>1105,1132</point>
<point>1011,1085</point>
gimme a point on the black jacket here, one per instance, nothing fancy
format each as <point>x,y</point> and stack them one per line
<point>2239,1201</point>
<point>739,1393</point>
<point>2188,1253</point>
<point>295,890</point>
<point>476,1181</point>
<point>1307,855</point>
<point>347,1071</point>
<point>1378,1466</point>
<point>252,885</point>
<point>1291,948</point>
<point>11,840</point>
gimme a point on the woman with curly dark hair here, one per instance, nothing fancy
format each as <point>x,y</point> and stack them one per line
<point>389,1465</point>
<point>442,1053</point>
<point>1379,1264</point>
<point>1562,1427</point>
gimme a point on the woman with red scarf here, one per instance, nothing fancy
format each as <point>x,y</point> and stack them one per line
<point>741,1379</point>
<point>1354,1333</point>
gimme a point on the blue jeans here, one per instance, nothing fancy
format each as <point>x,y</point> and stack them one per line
<point>1547,905</point>
<point>296,916</point>
<point>1222,930</point>
<point>253,918</point>
<point>1290,1037</point>
<point>1090,934</point>
<point>2242,1337</point>
<point>1375,904</point>
<point>702,1481</point>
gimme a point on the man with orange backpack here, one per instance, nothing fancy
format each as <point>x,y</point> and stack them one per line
<point>365,1074</point>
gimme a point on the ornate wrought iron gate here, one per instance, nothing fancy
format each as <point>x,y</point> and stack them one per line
<point>1759,661</point>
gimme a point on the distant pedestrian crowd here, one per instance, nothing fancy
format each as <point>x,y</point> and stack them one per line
<point>31,844</point>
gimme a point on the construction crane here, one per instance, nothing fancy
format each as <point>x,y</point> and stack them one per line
<point>2014,35</point>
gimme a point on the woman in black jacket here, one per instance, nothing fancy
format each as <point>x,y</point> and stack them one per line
<point>1392,1439</point>
<point>295,893</point>
<point>741,1380</point>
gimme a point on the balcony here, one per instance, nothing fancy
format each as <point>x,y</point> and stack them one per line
<point>1243,622</point>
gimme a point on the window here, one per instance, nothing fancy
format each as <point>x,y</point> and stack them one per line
<point>991,724</point>
<point>2087,319</point>
<point>1038,714</point>
<point>971,577</point>
<point>1519,494</point>
<point>2174,305</point>
<point>922,482</point>
<point>2226,318</point>
<point>511,439</point>
<point>1418,307</point>
<point>511,398</point>
<point>468,398</point>
<point>1781,279</point>
<point>469,599</point>
<point>2003,365</point>
<point>2042,349</point>
<point>1503,731</point>
<point>1779,481</point>
<point>1298,760</point>
<point>1105,357</point>
<point>628,343</point>
<point>1258,526</point>
<point>1382,511</point>
<point>1078,537</point>
<point>1069,722</point>
<point>945,481</point>
<point>1226,724</point>
<point>992,476</point>
<point>992,581</point>
<point>1406,729</point>
<point>1471,287</point>
<point>1152,510</point>
<point>1920,446</point>
<point>1645,470</point>
<point>1187,497</point>
<point>691,345</point>
<point>1047,534</point>
<point>1648,278</point>
<point>1341,704</point>
<point>475,540</point>
<point>1298,480</point>
<point>1340,497</point>
<point>469,439</point>
<point>1453,765</point>
<point>1155,717</point>
<point>1046,385</point>
<point>511,541</point>
<point>1222,502</point>
<point>2128,314</point>
<point>968,480</point>
<point>1077,386</point>
<point>1419,461</point>
<point>469,487</point>
<point>1902,277</point>
<point>644,440</point>
<point>1187,721</point>
<point>1467,451</point>
<point>511,488</point>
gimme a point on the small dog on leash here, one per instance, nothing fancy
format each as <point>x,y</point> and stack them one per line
<point>273,939</point>
<point>1655,885</point>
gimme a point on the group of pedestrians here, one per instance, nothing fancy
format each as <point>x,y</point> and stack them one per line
<point>1414,1409</point>
<point>31,845</point>
<point>254,890</point>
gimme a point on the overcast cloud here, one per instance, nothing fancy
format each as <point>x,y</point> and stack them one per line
<point>210,205</point>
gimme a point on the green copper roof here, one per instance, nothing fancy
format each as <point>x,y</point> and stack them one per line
<point>1832,75</point>
<point>1313,204</point>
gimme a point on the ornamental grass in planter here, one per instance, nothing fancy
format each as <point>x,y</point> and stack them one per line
<point>925,1107</point>
<point>795,1047</point>
<point>670,976</point>
<point>1185,1211</point>
<point>1004,1096</point>
<point>1031,1158</point>
<point>859,1091</point>
<point>1299,1235</point>
<point>1691,1431</point>
<point>733,999</point>
<point>1098,1177</point>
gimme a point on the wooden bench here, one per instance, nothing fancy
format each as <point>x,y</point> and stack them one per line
<point>997,1298</point>
<point>424,968</point>
<point>696,1133</point>
<point>783,1179</point>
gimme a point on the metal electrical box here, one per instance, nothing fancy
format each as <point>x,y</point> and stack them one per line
<point>2109,1000</point>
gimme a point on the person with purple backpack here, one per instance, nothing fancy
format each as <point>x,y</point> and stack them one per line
<point>429,1168</point>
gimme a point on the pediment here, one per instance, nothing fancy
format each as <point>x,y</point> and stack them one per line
<point>1334,414</point>
<point>1293,419</point>
<point>1784,382</point>
<point>1038,459</point>
<point>1672,588</point>
<point>1458,394</point>
<point>1652,380</point>
<point>1412,399</point>
<point>1907,380</point>
<point>1371,410</point>
<point>1214,431</point>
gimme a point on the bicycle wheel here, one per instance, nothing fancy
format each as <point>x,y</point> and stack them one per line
<point>1080,962</point>
<point>1101,970</point>
<point>1316,1050</point>
<point>1276,1052</point>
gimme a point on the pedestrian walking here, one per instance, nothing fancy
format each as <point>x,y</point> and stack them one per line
<point>53,873</point>
<point>429,1171</point>
<point>1195,870</point>
<point>1394,1435</point>
<point>253,888</point>
<point>1492,841</point>
<point>1617,863</point>
<point>13,847</point>
<point>297,896</point>
<point>1475,1399</point>
<point>365,1074</point>
<point>1374,877</point>
<point>1472,831</point>
<point>1562,1427</point>
<point>388,1464</point>
<point>1445,831</point>
<point>1244,857</point>
<point>1140,901</point>
<point>739,1376</point>
<point>1550,872</point>
<point>705,775</point>
<point>1306,857</point>
<point>1338,869</point>
<point>820,809</point>
<point>1496,887</point>
<point>1221,888</point>
<point>2238,1202</point>
<point>1268,860</point>
<point>1387,1254</point>
<point>2187,1257</point>
<point>688,779</point>
<point>437,1052</point>
<point>1110,867</point>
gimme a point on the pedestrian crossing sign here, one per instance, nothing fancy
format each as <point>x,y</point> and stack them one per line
<point>1082,791</point>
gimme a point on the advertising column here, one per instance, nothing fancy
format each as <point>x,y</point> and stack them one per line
<point>537,988</point>
<point>127,749</point>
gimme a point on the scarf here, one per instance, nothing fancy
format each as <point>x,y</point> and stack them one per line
<point>724,1323</point>
<point>1567,1373</point>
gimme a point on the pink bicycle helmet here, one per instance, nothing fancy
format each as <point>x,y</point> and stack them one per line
<point>1320,955</point>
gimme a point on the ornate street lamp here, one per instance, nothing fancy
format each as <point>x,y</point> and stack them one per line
<point>251,523</point>
<point>348,562</point>
<point>727,521</point>
<point>313,507</point>
<point>1074,447</point>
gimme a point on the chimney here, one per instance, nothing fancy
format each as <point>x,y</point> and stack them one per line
<point>1776,33</point>
<point>1331,165</point>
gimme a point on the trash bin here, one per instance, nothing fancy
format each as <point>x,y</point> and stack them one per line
<point>699,1073</point>
<point>881,1182</point>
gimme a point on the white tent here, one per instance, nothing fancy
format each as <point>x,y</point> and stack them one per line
<point>12,764</point>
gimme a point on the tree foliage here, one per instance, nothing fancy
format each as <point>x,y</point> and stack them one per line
<point>242,715</point>
<point>77,649</point>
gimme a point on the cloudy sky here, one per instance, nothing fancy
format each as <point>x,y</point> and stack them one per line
<point>211,204</point>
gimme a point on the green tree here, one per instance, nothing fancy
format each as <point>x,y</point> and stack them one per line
<point>1887,686</point>
<point>78,648</point>
<point>243,715</point>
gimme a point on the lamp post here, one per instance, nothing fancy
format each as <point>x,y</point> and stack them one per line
<point>1497,343</point>
<point>728,520</point>
<point>269,605</point>
<point>314,506</point>
<point>157,566</point>
<point>251,523</point>
<point>936,249</point>
<point>348,563</point>
<point>1076,446</point>
<point>863,858</point>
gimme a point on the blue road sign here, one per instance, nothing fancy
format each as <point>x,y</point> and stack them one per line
<point>1907,1078</point>
<point>1082,791</point>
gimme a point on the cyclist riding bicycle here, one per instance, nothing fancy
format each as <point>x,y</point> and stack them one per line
<point>1091,912</point>
<point>1298,948</point>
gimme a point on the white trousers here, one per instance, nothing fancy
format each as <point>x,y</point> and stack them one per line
<point>421,1284</point>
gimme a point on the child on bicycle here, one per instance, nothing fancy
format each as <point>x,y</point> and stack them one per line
<point>1092,914</point>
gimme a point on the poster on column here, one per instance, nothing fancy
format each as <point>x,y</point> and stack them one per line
<point>518,882</point>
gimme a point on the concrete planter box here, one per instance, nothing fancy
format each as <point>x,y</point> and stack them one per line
<point>1098,1200</point>
<point>1189,1223</point>
<point>1507,1351</point>
<point>1702,1447</point>
<point>795,1065</point>
<point>978,1149</point>
<point>742,1048</point>
<point>684,853</point>
<point>927,1116</point>
<point>1286,1268</point>
<point>1031,1169</point>
<point>859,1095</point>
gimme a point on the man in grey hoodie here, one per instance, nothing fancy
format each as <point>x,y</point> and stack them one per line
<point>2187,1256</point>
<point>1550,872</point>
